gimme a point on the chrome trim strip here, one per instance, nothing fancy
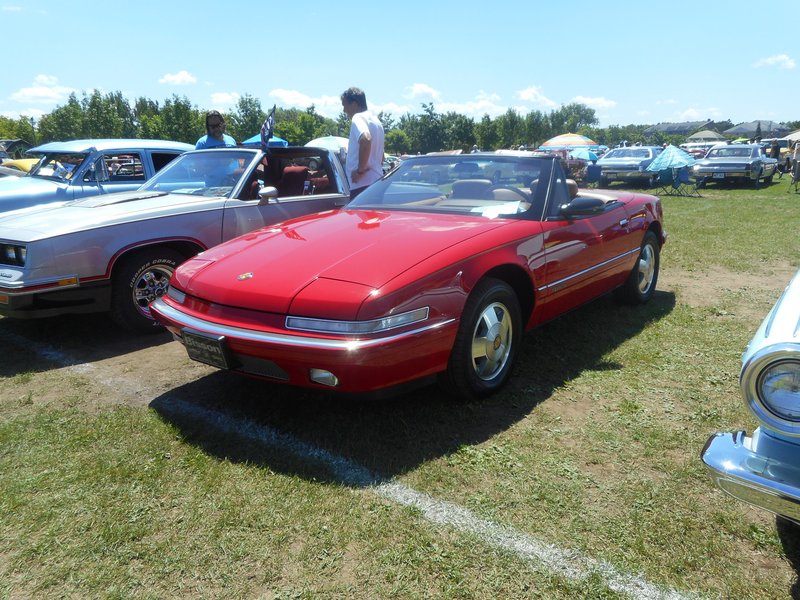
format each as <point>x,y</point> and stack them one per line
<point>597,266</point>
<point>281,338</point>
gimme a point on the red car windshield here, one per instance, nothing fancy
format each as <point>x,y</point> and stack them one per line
<point>480,184</point>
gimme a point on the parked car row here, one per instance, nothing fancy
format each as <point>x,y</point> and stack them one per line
<point>116,252</point>
<point>414,280</point>
<point>256,263</point>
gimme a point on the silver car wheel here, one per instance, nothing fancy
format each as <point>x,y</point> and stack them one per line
<point>491,341</point>
<point>151,284</point>
<point>647,268</point>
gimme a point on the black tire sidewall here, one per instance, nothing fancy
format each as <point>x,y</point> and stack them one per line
<point>461,375</point>
<point>631,292</point>
<point>123,310</point>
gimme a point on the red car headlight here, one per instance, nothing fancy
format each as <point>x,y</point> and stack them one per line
<point>357,327</point>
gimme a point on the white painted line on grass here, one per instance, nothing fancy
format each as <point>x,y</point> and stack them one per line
<point>570,564</point>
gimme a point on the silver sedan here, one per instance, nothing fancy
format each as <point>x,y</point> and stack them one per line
<point>117,252</point>
<point>736,163</point>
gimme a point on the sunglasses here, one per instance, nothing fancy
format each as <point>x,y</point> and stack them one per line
<point>216,125</point>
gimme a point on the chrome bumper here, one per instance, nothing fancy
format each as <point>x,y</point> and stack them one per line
<point>746,468</point>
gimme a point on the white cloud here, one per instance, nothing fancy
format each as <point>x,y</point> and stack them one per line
<point>224,100</point>
<point>45,90</point>
<point>179,78</point>
<point>417,90</point>
<point>533,95</point>
<point>782,61</point>
<point>699,114</point>
<point>11,8</point>
<point>598,102</point>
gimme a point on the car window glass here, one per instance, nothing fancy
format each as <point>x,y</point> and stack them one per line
<point>162,159</point>
<point>204,173</point>
<point>59,165</point>
<point>490,186</point>
<point>120,167</point>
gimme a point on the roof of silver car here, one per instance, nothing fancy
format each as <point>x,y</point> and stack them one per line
<point>111,144</point>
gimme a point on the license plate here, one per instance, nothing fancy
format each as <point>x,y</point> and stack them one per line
<point>205,348</point>
<point>719,175</point>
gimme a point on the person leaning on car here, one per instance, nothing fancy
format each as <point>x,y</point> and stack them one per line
<point>364,163</point>
<point>215,133</point>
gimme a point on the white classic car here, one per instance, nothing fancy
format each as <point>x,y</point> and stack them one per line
<point>118,251</point>
<point>764,468</point>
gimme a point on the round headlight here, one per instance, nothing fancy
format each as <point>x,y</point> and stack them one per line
<point>779,389</point>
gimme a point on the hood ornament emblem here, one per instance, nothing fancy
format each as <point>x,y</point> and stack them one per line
<point>243,276</point>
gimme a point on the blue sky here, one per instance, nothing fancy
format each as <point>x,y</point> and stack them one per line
<point>633,62</point>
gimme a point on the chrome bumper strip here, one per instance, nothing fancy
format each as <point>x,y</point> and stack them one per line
<point>346,345</point>
<point>751,477</point>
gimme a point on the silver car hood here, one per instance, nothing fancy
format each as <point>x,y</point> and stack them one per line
<point>36,223</point>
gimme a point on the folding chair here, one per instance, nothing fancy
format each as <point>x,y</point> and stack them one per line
<point>687,186</point>
<point>665,181</point>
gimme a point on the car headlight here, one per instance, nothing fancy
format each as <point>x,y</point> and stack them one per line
<point>357,327</point>
<point>770,382</point>
<point>778,387</point>
<point>176,294</point>
<point>13,254</point>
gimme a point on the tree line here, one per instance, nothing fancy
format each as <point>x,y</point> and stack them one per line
<point>111,115</point>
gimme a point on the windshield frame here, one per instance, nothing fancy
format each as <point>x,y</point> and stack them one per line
<point>459,184</point>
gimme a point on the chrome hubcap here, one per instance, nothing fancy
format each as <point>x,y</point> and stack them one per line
<point>150,285</point>
<point>647,268</point>
<point>491,341</point>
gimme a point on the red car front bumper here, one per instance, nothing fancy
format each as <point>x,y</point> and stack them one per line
<point>358,364</point>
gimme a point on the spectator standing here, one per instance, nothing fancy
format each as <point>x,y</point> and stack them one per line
<point>215,133</point>
<point>364,163</point>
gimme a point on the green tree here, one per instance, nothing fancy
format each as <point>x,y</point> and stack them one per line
<point>510,129</point>
<point>396,141</point>
<point>147,117</point>
<point>64,123</point>
<point>181,122</point>
<point>459,131</point>
<point>571,117</point>
<point>537,128</point>
<point>486,134</point>
<point>246,118</point>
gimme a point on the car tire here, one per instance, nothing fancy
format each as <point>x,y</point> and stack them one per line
<point>486,343</point>
<point>641,283</point>
<point>138,280</point>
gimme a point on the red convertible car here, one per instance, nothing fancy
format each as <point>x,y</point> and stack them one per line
<point>415,279</point>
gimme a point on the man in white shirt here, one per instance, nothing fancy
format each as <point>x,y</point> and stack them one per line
<point>364,163</point>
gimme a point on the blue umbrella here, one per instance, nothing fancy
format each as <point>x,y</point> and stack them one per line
<point>671,158</point>
<point>274,142</point>
<point>583,153</point>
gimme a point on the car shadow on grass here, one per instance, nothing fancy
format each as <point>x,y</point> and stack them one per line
<point>789,534</point>
<point>43,344</point>
<point>356,441</point>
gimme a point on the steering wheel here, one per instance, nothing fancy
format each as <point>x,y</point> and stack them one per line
<point>524,195</point>
<point>229,179</point>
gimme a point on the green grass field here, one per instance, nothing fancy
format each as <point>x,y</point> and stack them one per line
<point>593,448</point>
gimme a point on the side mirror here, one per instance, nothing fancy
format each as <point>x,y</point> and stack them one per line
<point>582,207</point>
<point>268,195</point>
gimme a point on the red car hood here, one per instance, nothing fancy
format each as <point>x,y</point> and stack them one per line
<point>344,255</point>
